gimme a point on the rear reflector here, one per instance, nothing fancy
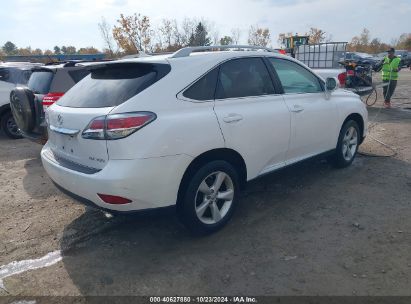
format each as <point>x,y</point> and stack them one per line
<point>117,126</point>
<point>51,98</point>
<point>114,200</point>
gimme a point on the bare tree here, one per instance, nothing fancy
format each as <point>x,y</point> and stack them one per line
<point>316,35</point>
<point>259,36</point>
<point>235,35</point>
<point>215,35</point>
<point>166,31</point>
<point>107,35</point>
<point>188,28</point>
<point>133,33</point>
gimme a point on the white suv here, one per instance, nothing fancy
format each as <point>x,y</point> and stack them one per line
<point>190,129</point>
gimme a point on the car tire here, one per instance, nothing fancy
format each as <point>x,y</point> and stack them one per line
<point>347,146</point>
<point>9,126</point>
<point>207,203</point>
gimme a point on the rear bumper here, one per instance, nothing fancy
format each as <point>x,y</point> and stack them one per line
<point>149,183</point>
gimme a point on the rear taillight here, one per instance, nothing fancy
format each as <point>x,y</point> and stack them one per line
<point>341,78</point>
<point>117,126</point>
<point>114,200</point>
<point>51,98</point>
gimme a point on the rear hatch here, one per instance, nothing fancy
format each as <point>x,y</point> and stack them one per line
<point>108,86</point>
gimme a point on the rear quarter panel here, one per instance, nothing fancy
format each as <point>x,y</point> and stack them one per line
<point>181,127</point>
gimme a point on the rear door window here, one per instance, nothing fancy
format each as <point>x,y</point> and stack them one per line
<point>40,81</point>
<point>110,85</point>
<point>244,77</point>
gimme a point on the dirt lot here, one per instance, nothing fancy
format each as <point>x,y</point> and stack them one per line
<point>306,230</point>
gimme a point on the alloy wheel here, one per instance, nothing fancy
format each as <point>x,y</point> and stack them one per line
<point>350,143</point>
<point>214,197</point>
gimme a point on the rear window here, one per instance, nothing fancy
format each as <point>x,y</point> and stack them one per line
<point>4,74</point>
<point>15,76</point>
<point>112,84</point>
<point>40,81</point>
<point>78,75</point>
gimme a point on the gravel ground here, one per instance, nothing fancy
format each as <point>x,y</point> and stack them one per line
<point>305,230</point>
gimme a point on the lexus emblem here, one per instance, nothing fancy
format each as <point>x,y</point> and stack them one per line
<point>60,119</point>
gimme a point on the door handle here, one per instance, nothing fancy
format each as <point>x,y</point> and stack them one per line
<point>232,118</point>
<point>297,109</point>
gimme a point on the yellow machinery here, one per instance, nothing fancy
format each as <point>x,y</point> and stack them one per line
<point>291,42</point>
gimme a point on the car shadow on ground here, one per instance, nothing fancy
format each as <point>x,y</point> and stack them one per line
<point>36,182</point>
<point>274,243</point>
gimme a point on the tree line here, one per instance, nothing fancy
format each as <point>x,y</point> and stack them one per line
<point>136,33</point>
<point>366,44</point>
<point>10,49</point>
<point>132,34</point>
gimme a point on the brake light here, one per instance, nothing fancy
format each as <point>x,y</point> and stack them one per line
<point>51,98</point>
<point>117,126</point>
<point>114,200</point>
<point>341,78</point>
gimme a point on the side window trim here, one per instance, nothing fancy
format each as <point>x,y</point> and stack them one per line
<point>320,81</point>
<point>273,73</point>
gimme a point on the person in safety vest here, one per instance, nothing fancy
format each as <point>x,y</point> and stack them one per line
<point>390,68</point>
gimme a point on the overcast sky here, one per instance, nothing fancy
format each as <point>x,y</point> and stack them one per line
<point>46,23</point>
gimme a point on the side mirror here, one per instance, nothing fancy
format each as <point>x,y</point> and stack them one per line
<point>331,84</point>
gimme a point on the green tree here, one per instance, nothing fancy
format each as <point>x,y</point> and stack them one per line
<point>226,40</point>
<point>10,48</point>
<point>57,50</point>
<point>200,36</point>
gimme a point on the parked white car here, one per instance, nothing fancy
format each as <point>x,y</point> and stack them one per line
<point>190,129</point>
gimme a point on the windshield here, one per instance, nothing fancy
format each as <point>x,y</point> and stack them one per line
<point>364,55</point>
<point>40,81</point>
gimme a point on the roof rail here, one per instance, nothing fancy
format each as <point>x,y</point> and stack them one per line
<point>138,55</point>
<point>184,52</point>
